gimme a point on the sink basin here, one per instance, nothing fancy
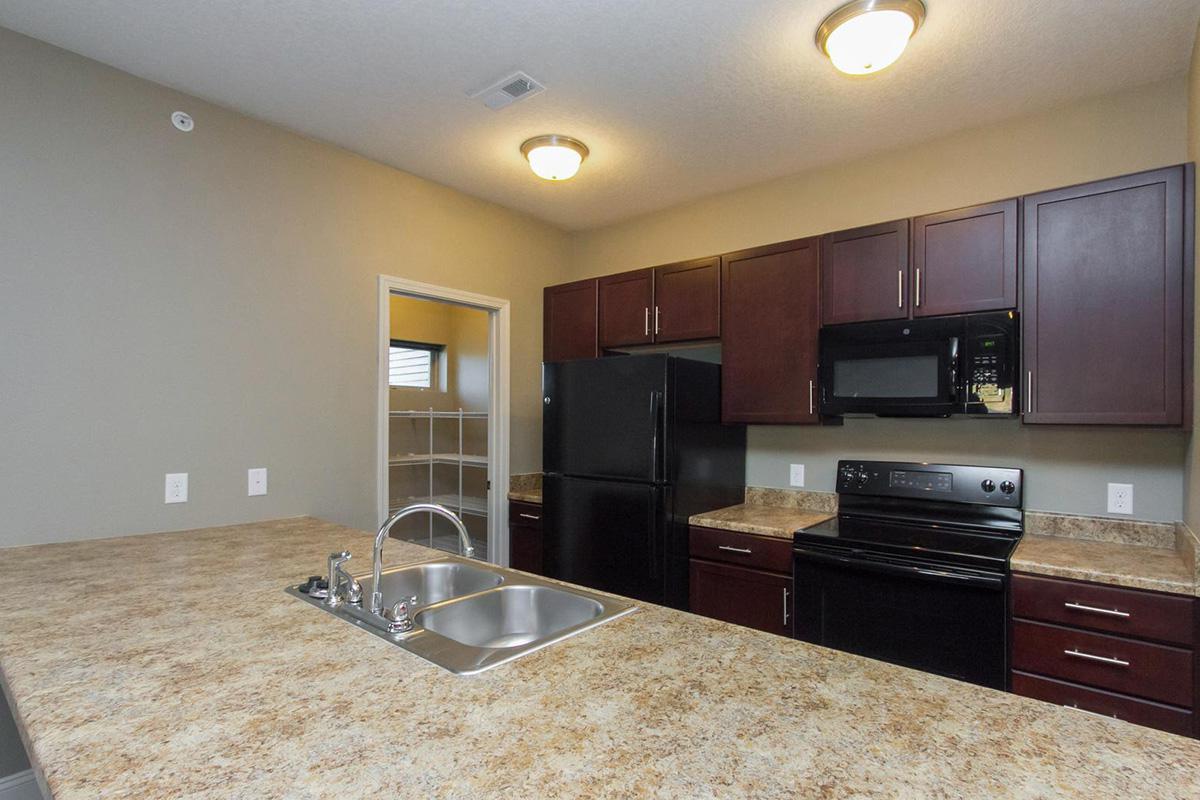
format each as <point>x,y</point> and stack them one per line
<point>511,616</point>
<point>472,616</point>
<point>431,583</point>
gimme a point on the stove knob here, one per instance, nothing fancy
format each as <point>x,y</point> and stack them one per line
<point>1008,487</point>
<point>988,485</point>
<point>863,477</point>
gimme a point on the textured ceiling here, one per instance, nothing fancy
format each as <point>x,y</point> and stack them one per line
<point>676,98</point>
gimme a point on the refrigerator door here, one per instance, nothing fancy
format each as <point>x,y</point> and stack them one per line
<point>603,417</point>
<point>607,535</point>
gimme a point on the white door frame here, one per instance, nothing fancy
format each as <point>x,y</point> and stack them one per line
<point>498,399</point>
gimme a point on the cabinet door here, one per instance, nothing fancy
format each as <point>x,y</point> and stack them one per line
<point>770,320</point>
<point>1106,297</point>
<point>864,274</point>
<point>626,305</point>
<point>687,301</point>
<point>743,596</point>
<point>525,537</point>
<point>965,260</point>
<point>569,321</point>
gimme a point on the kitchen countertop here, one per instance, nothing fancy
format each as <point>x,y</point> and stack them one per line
<point>1135,554</point>
<point>526,496</point>
<point>175,665</point>
<point>764,520</point>
<point>525,487</point>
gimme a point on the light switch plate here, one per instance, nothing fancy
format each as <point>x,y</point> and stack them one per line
<point>1120,498</point>
<point>176,488</point>
<point>796,477</point>
<point>256,481</point>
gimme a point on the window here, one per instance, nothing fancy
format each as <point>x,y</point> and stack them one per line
<point>413,365</point>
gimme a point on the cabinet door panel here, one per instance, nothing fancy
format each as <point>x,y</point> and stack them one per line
<point>747,597</point>
<point>1103,323</point>
<point>864,274</point>
<point>687,301</point>
<point>626,304</point>
<point>965,260</point>
<point>569,321</point>
<point>770,323</point>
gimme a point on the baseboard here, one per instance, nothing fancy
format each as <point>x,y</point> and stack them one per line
<point>20,786</point>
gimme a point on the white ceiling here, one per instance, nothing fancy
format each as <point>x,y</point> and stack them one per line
<point>677,99</point>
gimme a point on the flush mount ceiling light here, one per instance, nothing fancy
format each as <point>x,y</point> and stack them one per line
<point>867,35</point>
<point>554,157</point>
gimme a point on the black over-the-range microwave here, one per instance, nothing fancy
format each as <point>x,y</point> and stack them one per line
<point>931,367</point>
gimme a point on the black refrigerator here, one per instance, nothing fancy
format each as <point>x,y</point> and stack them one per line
<point>631,447</point>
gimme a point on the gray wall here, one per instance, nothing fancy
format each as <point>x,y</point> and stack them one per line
<point>1066,469</point>
<point>206,303</point>
<point>12,752</point>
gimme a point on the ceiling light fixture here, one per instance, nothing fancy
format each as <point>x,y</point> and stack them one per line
<point>867,35</point>
<point>554,157</point>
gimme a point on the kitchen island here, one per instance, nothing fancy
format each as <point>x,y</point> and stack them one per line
<point>174,665</point>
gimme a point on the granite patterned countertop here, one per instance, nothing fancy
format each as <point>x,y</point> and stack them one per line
<point>771,512</point>
<point>1139,555</point>
<point>525,487</point>
<point>174,665</point>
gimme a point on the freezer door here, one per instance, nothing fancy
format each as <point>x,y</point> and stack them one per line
<point>606,535</point>
<point>602,418</point>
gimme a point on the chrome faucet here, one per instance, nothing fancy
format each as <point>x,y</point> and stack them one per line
<point>339,578</point>
<point>464,540</point>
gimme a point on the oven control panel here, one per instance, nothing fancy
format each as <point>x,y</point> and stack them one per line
<point>955,483</point>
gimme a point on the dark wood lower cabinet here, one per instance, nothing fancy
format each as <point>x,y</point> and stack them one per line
<point>747,597</point>
<point>525,537</point>
<point>1105,703</point>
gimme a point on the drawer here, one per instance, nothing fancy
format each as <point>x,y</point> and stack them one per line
<point>524,513</point>
<point>1128,612</point>
<point>1108,704</point>
<point>743,549</point>
<point>1154,671</point>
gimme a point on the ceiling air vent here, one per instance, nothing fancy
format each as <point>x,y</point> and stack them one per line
<point>507,91</point>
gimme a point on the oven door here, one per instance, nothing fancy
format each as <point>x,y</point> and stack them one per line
<point>907,368</point>
<point>945,620</point>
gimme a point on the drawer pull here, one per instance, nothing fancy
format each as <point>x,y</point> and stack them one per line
<point>528,516</point>
<point>1116,662</point>
<point>1093,713</point>
<point>1108,612</point>
<point>743,550</point>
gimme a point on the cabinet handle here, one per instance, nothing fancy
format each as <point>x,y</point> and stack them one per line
<point>1108,612</point>
<point>810,398</point>
<point>744,550</point>
<point>1029,391</point>
<point>528,516</point>
<point>785,606</point>
<point>647,322</point>
<point>917,294</point>
<point>656,321</point>
<point>1116,662</point>
<point>899,288</point>
<point>1093,713</point>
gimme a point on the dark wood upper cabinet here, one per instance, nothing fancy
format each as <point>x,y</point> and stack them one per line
<point>626,308</point>
<point>770,321</point>
<point>965,260</point>
<point>1107,307</point>
<point>864,274</point>
<point>687,301</point>
<point>569,321</point>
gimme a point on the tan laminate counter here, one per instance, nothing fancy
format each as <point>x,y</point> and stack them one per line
<point>174,665</point>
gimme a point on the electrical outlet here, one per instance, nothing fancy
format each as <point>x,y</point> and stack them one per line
<point>1120,498</point>
<point>797,475</point>
<point>176,490</point>
<point>256,481</point>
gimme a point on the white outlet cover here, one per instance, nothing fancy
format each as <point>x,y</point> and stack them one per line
<point>256,481</point>
<point>176,490</point>
<point>1120,498</point>
<point>796,476</point>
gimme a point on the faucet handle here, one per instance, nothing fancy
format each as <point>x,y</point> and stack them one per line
<point>398,618</point>
<point>338,576</point>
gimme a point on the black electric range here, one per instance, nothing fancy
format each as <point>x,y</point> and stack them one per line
<point>914,568</point>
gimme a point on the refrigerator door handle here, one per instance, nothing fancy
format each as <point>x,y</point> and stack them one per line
<point>653,538</point>
<point>655,407</point>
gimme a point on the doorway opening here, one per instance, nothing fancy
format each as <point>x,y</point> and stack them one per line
<point>443,413</point>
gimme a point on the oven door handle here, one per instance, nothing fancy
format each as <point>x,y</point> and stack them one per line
<point>902,570</point>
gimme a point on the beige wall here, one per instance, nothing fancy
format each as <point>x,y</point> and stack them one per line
<point>206,303</point>
<point>1066,468</point>
<point>1192,474</point>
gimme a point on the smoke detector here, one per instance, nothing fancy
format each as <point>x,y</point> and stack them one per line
<point>508,90</point>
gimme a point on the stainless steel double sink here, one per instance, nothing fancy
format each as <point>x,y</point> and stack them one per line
<point>470,616</point>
